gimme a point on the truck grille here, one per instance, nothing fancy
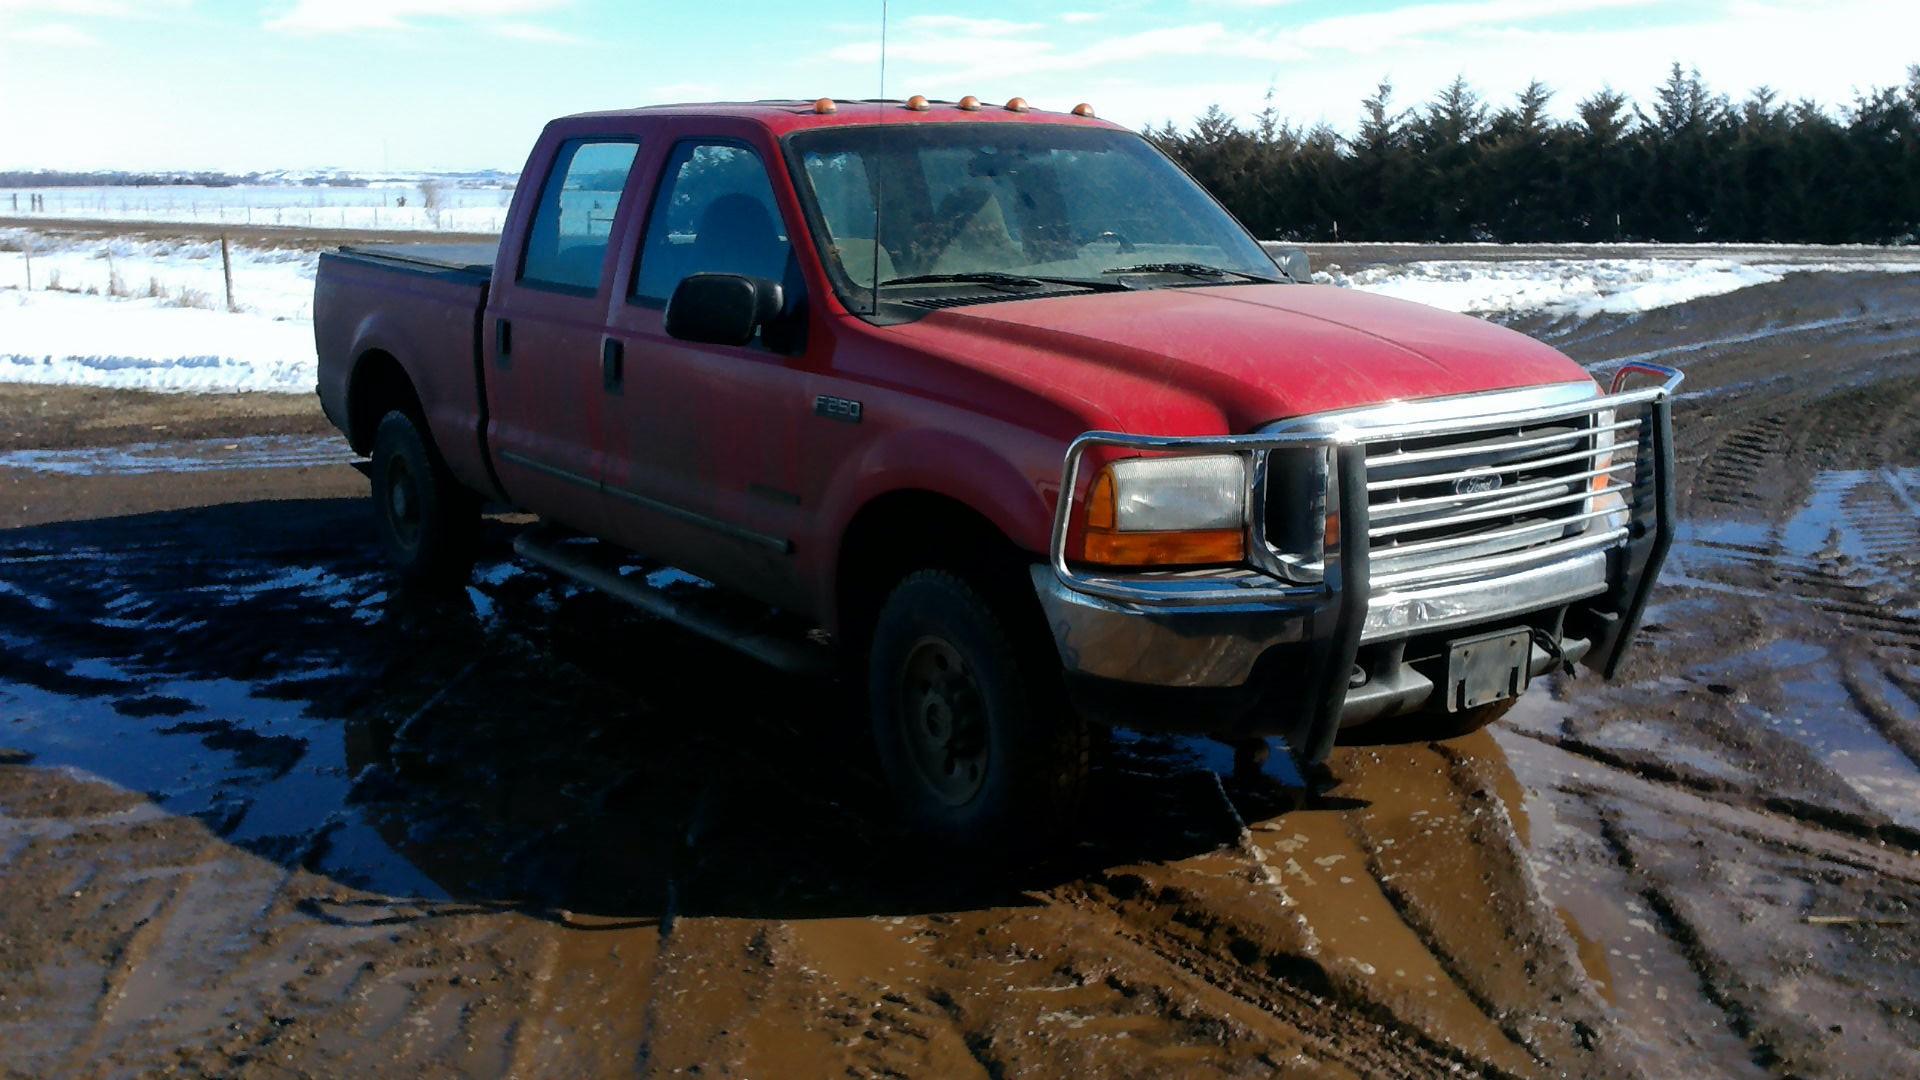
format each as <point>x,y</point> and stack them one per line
<point>1494,498</point>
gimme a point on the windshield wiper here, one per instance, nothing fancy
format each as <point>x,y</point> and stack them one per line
<point>1190,269</point>
<point>995,277</point>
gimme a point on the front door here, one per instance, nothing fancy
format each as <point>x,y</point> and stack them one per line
<point>700,467</point>
<point>543,334</point>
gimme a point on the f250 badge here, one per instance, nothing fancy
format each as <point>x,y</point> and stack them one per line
<point>844,410</point>
<point>1478,484</point>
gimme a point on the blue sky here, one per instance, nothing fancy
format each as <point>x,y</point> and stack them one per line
<point>260,84</point>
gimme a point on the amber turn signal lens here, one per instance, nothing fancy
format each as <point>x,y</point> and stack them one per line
<point>1018,104</point>
<point>1083,109</point>
<point>825,105</point>
<point>969,104</point>
<point>1212,547</point>
<point>917,103</point>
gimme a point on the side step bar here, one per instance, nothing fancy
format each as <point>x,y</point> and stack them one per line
<point>578,561</point>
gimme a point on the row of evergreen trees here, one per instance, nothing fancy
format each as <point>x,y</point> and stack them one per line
<point>1696,166</point>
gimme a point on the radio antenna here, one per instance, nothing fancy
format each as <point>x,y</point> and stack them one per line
<point>873,303</point>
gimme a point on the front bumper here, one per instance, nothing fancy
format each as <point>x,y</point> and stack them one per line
<point>1245,653</point>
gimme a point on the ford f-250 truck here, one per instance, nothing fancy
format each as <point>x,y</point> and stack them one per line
<point>1001,409</point>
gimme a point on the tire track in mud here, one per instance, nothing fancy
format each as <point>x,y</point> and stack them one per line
<point>1287,996</point>
<point>1730,473</point>
<point>1838,824</point>
<point>1685,939</point>
<point>1483,1019</point>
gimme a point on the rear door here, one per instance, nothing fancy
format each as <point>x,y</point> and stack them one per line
<point>545,325</point>
<point>701,467</point>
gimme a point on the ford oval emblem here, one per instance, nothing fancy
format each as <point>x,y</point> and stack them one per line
<point>1477,484</point>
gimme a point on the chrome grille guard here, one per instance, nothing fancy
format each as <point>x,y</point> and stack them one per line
<point>1647,497</point>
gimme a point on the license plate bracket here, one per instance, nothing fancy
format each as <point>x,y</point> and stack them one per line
<point>1488,668</point>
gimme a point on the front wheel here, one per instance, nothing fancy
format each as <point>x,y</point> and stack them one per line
<point>427,521</point>
<point>976,739</point>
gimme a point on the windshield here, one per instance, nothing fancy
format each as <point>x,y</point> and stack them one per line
<point>995,203</point>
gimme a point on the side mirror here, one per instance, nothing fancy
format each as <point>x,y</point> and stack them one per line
<point>722,309</point>
<point>1292,262</point>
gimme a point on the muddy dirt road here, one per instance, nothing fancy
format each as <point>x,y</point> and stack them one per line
<point>261,815</point>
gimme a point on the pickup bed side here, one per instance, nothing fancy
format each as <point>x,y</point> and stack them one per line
<point>397,327</point>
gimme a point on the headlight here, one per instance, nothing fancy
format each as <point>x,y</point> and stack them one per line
<point>1168,511</point>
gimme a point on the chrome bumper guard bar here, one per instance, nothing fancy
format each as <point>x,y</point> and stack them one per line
<point>1208,629</point>
<point>1136,637</point>
<point>1346,437</point>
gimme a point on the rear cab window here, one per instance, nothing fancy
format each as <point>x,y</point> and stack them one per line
<point>566,248</point>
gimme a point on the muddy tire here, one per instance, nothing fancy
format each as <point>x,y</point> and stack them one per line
<point>428,523</point>
<point>973,733</point>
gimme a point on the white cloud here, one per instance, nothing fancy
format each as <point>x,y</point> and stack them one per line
<point>968,25</point>
<point>1376,30</point>
<point>71,7</point>
<point>349,16</point>
<point>57,35</point>
<point>534,32</point>
<point>1081,18</point>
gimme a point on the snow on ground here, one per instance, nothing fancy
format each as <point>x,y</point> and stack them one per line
<point>143,344</point>
<point>150,314</point>
<point>1580,288</point>
<point>377,206</point>
<point>276,282</point>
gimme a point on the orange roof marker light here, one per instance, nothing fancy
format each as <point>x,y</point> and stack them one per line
<point>1083,109</point>
<point>917,103</point>
<point>1018,104</point>
<point>969,104</point>
<point>824,106</point>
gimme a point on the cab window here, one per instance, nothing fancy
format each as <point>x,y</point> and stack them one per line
<point>567,245</point>
<point>714,214</point>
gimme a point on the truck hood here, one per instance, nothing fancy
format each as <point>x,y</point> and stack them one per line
<point>1214,359</point>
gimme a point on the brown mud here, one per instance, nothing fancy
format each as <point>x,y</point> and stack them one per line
<point>261,814</point>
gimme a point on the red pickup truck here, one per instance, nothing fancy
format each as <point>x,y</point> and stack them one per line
<point>1000,409</point>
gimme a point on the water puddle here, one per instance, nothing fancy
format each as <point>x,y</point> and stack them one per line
<point>191,456</point>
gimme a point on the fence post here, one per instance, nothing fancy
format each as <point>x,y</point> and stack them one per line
<point>226,269</point>
<point>26,249</point>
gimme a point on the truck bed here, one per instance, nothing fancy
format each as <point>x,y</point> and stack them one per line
<point>475,259</point>
<point>419,306</point>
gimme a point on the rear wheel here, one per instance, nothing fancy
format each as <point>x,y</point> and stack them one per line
<point>976,739</point>
<point>427,521</point>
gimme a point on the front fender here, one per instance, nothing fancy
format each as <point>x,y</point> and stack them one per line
<point>1011,478</point>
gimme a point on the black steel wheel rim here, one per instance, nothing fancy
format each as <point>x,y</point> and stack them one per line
<point>943,721</point>
<point>401,502</point>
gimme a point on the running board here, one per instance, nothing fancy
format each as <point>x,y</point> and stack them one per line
<point>578,561</point>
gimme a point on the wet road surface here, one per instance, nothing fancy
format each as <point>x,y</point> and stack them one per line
<point>260,813</point>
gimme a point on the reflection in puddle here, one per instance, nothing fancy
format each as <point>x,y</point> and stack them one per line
<point>1851,553</point>
<point>199,455</point>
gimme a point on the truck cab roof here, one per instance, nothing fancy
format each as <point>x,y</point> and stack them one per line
<point>781,116</point>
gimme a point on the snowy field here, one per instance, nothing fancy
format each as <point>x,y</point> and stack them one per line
<point>153,315</point>
<point>380,205</point>
<point>1585,288</point>
<point>149,314</point>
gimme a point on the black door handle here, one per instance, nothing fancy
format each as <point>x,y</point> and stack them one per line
<point>612,363</point>
<point>503,343</point>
